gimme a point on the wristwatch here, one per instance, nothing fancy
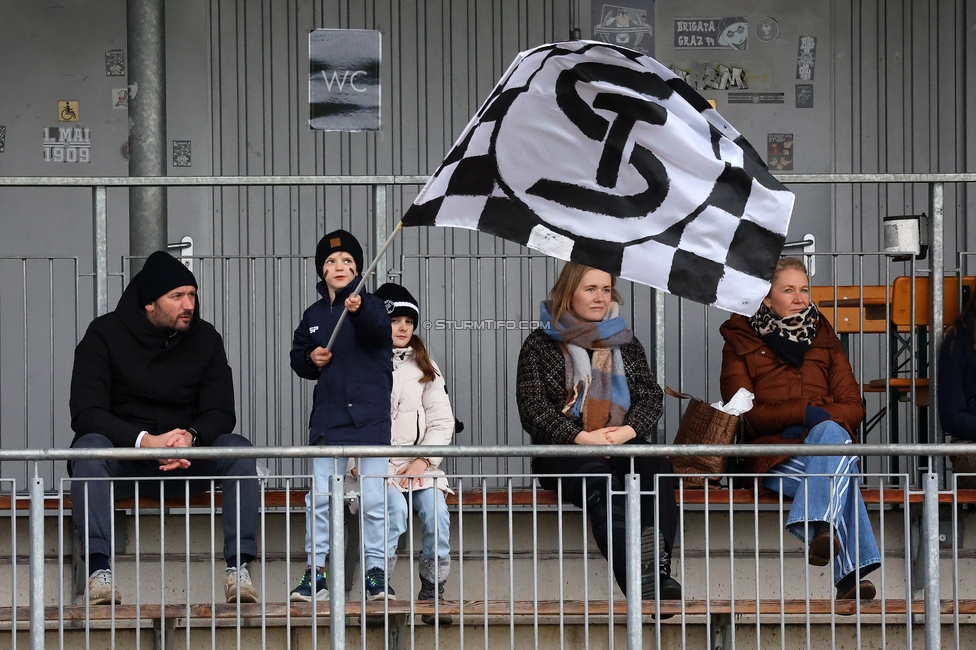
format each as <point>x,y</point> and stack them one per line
<point>196,436</point>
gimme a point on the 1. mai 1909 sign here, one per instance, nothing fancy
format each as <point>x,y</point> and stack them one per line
<point>344,79</point>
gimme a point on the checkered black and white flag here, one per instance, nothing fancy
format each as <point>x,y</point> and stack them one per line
<point>597,154</point>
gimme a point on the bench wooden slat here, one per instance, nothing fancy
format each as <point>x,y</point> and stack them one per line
<point>851,308</point>
<point>476,608</point>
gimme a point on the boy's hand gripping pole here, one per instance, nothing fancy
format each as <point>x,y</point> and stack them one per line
<point>369,269</point>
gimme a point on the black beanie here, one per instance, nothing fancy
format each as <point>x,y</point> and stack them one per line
<point>161,274</point>
<point>398,301</point>
<point>338,240</point>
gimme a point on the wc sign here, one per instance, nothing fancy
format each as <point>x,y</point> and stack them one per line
<point>344,79</point>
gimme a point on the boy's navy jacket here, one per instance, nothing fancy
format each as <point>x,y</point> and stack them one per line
<point>351,403</point>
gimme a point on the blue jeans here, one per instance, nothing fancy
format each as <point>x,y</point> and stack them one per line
<point>372,472</point>
<point>435,523</point>
<point>834,498</point>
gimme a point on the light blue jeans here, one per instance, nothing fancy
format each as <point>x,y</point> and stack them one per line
<point>435,525</point>
<point>834,498</point>
<point>372,472</point>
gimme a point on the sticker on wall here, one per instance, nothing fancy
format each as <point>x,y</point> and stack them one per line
<point>181,153</point>
<point>3,138</point>
<point>804,95</point>
<point>806,57</point>
<point>124,150</point>
<point>757,98</point>
<point>721,77</point>
<point>626,26</point>
<point>713,76</point>
<point>711,33</point>
<point>779,151</point>
<point>767,30</point>
<point>115,63</point>
<point>120,98</point>
<point>66,144</point>
<point>68,110</point>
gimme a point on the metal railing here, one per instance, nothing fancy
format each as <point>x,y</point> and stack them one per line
<point>526,570</point>
<point>259,317</point>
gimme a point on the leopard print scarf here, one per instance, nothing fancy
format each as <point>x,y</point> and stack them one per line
<point>789,337</point>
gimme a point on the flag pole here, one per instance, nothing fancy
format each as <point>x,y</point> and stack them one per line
<point>369,269</point>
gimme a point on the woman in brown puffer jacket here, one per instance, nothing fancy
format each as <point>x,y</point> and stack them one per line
<point>789,357</point>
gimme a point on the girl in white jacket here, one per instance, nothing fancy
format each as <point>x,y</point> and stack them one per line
<point>422,415</point>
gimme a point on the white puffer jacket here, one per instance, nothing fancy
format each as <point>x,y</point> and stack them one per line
<point>421,415</point>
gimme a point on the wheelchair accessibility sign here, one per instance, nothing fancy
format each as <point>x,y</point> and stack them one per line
<point>67,110</point>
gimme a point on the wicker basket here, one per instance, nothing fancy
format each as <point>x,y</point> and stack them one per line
<point>702,424</point>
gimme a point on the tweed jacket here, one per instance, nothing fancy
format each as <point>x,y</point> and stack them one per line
<point>783,391</point>
<point>540,391</point>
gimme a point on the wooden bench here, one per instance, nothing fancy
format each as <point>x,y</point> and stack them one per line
<point>851,310</point>
<point>910,319</point>
<point>475,610</point>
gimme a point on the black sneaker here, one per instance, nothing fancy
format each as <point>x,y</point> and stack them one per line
<point>376,586</point>
<point>303,592</point>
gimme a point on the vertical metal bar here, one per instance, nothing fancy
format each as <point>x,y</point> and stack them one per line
<point>936,253</point>
<point>562,582</point>
<point>100,248</point>
<point>511,567</point>
<point>956,510</point>
<point>337,569</point>
<point>635,637</point>
<point>36,562</point>
<point>930,544</point>
<point>657,298</point>
<point>535,568</point>
<point>379,231</point>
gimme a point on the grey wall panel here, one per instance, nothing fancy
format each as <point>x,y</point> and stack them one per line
<point>906,107</point>
<point>891,94</point>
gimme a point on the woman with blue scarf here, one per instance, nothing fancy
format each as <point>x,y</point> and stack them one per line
<point>583,379</point>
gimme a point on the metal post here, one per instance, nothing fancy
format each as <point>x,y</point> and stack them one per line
<point>37,561</point>
<point>657,302</point>
<point>337,569</point>
<point>937,254</point>
<point>635,638</point>
<point>379,230</point>
<point>146,42</point>
<point>930,542</point>
<point>100,245</point>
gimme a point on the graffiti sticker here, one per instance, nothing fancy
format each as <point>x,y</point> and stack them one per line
<point>115,63</point>
<point>711,33</point>
<point>806,57</point>
<point>181,153</point>
<point>779,151</point>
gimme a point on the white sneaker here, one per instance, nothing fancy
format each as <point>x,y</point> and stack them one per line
<point>239,581</point>
<point>100,588</point>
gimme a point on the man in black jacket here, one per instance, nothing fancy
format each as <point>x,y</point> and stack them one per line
<point>154,374</point>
